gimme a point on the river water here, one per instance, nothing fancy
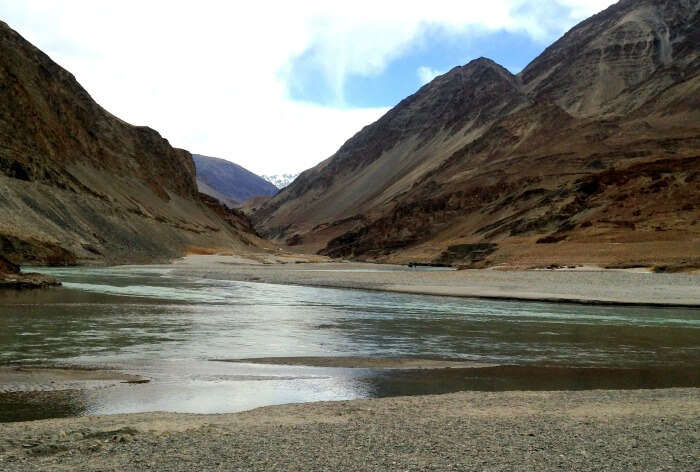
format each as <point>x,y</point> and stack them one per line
<point>175,329</point>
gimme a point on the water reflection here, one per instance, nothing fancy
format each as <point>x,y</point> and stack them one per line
<point>217,387</point>
<point>153,322</point>
<point>107,315</point>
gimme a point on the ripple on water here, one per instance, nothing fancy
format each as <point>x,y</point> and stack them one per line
<point>164,327</point>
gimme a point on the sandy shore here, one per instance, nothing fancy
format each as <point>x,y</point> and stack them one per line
<point>40,379</point>
<point>589,286</point>
<point>591,430</point>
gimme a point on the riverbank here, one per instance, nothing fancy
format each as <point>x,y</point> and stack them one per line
<point>11,277</point>
<point>588,285</point>
<point>26,281</point>
<point>43,379</point>
<point>589,430</point>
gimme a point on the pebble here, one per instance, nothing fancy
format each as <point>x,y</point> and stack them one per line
<point>496,431</point>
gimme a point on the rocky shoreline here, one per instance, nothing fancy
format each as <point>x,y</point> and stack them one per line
<point>27,281</point>
<point>11,277</point>
<point>585,430</point>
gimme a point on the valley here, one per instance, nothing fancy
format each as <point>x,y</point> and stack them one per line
<point>498,273</point>
<point>588,155</point>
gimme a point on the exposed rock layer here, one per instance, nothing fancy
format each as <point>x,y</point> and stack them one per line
<point>590,154</point>
<point>77,184</point>
<point>11,277</point>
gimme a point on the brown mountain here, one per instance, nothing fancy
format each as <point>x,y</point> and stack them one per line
<point>79,184</point>
<point>590,155</point>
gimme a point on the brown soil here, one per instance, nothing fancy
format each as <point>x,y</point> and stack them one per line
<point>589,156</point>
<point>82,186</point>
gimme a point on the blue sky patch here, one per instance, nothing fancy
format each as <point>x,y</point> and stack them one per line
<point>436,50</point>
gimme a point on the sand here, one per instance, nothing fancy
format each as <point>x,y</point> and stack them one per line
<point>588,285</point>
<point>590,430</point>
<point>40,379</point>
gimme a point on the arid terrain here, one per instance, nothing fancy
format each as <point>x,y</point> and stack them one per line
<point>591,154</point>
<point>589,285</point>
<point>592,430</point>
<point>79,185</point>
<point>574,182</point>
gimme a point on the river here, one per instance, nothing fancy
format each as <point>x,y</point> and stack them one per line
<point>175,330</point>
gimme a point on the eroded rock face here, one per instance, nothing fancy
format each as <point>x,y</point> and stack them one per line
<point>36,252</point>
<point>613,54</point>
<point>590,154</point>
<point>8,267</point>
<point>49,123</point>
<point>78,184</point>
<point>12,278</point>
<point>26,281</point>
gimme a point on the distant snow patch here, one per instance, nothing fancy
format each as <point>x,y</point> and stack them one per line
<point>280,180</point>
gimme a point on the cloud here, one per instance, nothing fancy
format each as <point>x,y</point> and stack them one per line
<point>365,39</point>
<point>426,74</point>
<point>213,77</point>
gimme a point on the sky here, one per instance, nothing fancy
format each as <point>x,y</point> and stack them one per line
<point>277,87</point>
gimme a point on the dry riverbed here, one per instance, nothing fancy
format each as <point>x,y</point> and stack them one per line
<point>586,285</point>
<point>587,430</point>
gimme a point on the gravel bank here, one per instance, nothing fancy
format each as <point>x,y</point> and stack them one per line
<point>42,379</point>
<point>591,430</point>
<point>578,286</point>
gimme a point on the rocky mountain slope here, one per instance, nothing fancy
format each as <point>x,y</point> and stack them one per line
<point>77,184</point>
<point>230,183</point>
<point>590,155</point>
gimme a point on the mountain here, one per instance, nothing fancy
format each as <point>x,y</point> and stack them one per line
<point>230,183</point>
<point>78,184</point>
<point>590,155</point>
<point>280,180</point>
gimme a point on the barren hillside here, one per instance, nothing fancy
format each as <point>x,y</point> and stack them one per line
<point>229,183</point>
<point>78,185</point>
<point>590,155</point>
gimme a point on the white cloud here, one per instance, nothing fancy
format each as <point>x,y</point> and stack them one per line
<point>426,74</point>
<point>580,9</point>
<point>212,76</point>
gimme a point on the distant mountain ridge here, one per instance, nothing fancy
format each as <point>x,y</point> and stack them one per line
<point>228,182</point>
<point>590,155</point>
<point>280,180</point>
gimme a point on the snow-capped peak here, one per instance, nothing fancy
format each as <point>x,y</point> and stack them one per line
<point>280,180</point>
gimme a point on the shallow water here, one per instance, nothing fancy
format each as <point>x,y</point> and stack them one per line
<point>169,328</point>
